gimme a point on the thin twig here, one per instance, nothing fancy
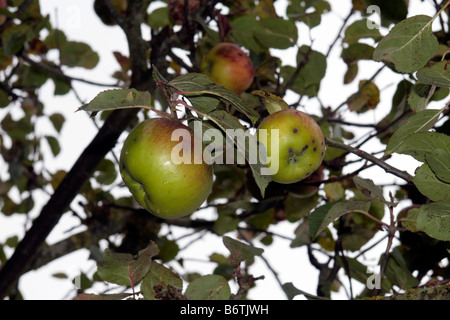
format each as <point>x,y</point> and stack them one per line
<point>387,167</point>
<point>340,31</point>
<point>392,229</point>
<point>58,73</point>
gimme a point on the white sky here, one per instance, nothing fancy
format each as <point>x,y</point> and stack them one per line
<point>77,19</point>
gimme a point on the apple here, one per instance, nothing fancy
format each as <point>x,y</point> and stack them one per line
<point>228,65</point>
<point>300,145</point>
<point>162,186</point>
<point>177,11</point>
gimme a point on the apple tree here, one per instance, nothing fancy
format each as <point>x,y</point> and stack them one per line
<point>338,212</point>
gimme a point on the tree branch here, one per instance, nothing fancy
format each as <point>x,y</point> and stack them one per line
<point>87,162</point>
<point>387,167</point>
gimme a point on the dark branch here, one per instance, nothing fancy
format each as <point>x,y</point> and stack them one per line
<point>379,162</point>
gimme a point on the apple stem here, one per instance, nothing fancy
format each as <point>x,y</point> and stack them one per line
<point>373,218</point>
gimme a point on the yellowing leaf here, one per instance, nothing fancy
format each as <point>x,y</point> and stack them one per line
<point>367,98</point>
<point>272,102</point>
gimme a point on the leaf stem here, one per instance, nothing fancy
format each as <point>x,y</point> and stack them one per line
<point>372,217</point>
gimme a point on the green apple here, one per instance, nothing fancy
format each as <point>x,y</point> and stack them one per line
<point>228,65</point>
<point>162,186</point>
<point>300,145</point>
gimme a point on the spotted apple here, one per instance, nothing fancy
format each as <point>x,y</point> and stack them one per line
<point>164,187</point>
<point>299,149</point>
<point>228,65</point>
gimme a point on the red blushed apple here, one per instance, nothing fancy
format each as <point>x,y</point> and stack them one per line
<point>228,65</point>
<point>177,10</point>
<point>300,146</point>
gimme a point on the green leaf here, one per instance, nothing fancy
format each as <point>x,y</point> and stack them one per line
<point>78,54</point>
<point>118,99</point>
<point>296,208</point>
<point>106,172</point>
<point>57,119</point>
<point>397,272</point>
<point>55,39</point>
<point>439,162</point>
<point>308,79</point>
<point>326,214</point>
<point>272,102</point>
<point>429,185</point>
<point>242,29</point>
<point>199,86</point>
<point>227,220</point>
<point>62,86</point>
<point>421,121</point>
<point>54,145</point>
<point>420,144</point>
<point>60,275</point>
<point>433,219</point>
<point>230,126</point>
<point>209,287</point>
<point>159,276</point>
<point>420,96</point>
<point>370,190</point>
<point>310,12</point>
<point>302,236</point>
<point>30,76</point>
<point>351,73</point>
<point>408,45</point>
<point>292,291</point>
<point>276,33</point>
<point>240,251</point>
<point>357,51</point>
<point>359,30</point>
<point>123,268</point>
<point>437,75</point>
<point>158,18</point>
<point>14,37</point>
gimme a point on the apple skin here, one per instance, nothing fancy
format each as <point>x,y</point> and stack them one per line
<point>228,65</point>
<point>177,10</point>
<point>165,189</point>
<point>301,144</point>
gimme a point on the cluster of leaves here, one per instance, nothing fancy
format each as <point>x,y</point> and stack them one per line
<point>337,215</point>
<point>157,282</point>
